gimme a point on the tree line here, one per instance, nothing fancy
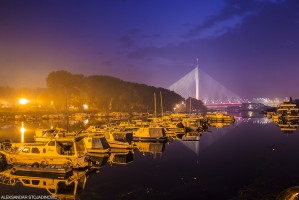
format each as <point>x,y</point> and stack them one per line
<point>107,93</point>
<point>101,93</point>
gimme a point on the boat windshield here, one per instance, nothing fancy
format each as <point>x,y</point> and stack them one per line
<point>80,147</point>
<point>65,148</point>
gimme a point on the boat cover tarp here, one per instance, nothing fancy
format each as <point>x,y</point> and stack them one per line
<point>99,143</point>
<point>156,132</point>
<point>123,137</point>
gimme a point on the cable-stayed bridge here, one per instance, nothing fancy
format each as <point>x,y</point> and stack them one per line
<point>199,85</point>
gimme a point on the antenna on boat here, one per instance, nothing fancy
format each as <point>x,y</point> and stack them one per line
<point>161,103</point>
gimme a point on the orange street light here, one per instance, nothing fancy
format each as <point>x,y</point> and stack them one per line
<point>23,101</point>
<point>85,107</point>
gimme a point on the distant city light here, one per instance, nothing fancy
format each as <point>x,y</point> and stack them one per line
<point>85,107</point>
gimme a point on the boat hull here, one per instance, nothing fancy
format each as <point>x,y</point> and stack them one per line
<point>56,169</point>
<point>150,139</point>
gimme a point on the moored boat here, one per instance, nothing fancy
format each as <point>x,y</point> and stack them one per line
<point>191,124</point>
<point>115,136</point>
<point>218,116</point>
<point>56,152</point>
<point>288,110</point>
<point>43,135</point>
<point>96,144</point>
<point>149,134</point>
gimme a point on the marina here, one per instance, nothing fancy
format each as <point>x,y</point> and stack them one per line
<point>149,100</point>
<point>164,169</point>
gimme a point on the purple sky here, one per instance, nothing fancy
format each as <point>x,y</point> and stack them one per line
<point>249,46</point>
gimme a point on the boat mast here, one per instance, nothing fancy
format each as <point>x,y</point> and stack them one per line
<point>67,115</point>
<point>161,103</point>
<point>155,104</point>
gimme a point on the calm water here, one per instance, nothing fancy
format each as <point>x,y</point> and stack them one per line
<point>251,159</point>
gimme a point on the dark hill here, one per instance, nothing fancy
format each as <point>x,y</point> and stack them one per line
<point>107,93</point>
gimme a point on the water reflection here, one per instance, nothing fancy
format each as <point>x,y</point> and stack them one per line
<point>215,130</point>
<point>289,194</point>
<point>150,148</point>
<point>22,132</point>
<point>98,159</point>
<point>71,186</point>
<point>62,186</point>
<point>220,124</point>
<point>191,136</point>
<point>67,186</point>
<point>287,125</point>
<point>121,158</point>
<point>116,156</point>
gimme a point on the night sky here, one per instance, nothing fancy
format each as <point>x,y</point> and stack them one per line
<point>249,46</point>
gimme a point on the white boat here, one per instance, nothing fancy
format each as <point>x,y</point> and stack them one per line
<point>116,137</point>
<point>288,110</point>
<point>149,134</point>
<point>43,135</point>
<point>218,116</point>
<point>119,139</point>
<point>94,143</point>
<point>191,124</point>
<point>56,152</point>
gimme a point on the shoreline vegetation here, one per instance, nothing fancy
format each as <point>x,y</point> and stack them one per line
<point>67,91</point>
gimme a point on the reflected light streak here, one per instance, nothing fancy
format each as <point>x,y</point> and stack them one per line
<point>22,132</point>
